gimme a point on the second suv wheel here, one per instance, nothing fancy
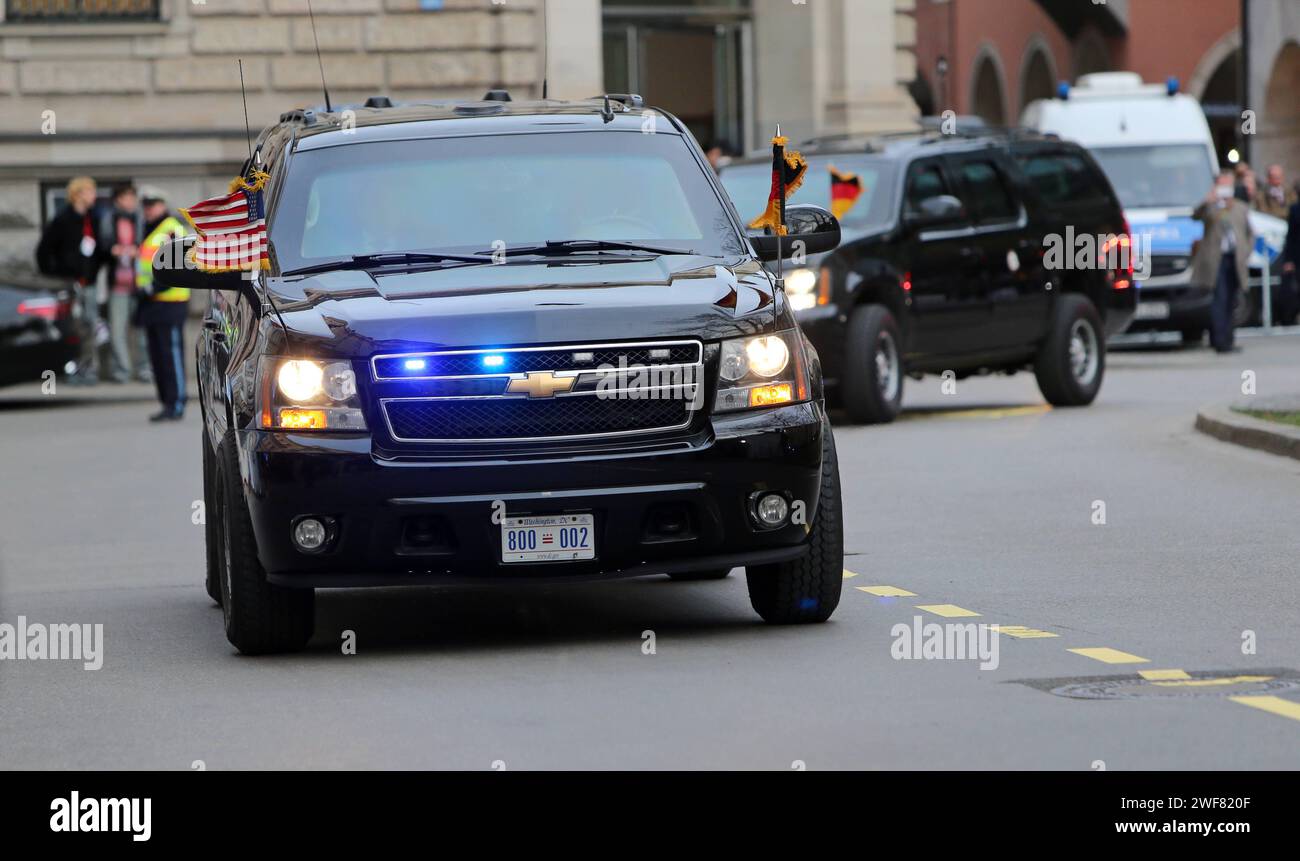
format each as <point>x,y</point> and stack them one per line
<point>1072,360</point>
<point>873,366</point>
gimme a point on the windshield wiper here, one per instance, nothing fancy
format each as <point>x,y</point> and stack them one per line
<point>559,248</point>
<point>378,261</point>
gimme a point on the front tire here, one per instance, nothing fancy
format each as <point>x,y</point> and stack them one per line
<point>873,366</point>
<point>260,618</point>
<point>807,589</point>
<point>1072,360</point>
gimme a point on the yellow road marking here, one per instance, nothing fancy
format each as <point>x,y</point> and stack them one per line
<point>1109,656</point>
<point>1020,632</point>
<point>1004,413</point>
<point>848,573</point>
<point>1275,705</point>
<point>1163,675</point>
<point>886,591</point>
<point>948,611</point>
<point>1203,683</point>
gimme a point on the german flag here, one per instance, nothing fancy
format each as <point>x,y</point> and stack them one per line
<point>846,188</point>
<point>788,169</point>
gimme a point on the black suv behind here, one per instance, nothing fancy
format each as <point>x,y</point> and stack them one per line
<point>947,263</point>
<point>501,342</point>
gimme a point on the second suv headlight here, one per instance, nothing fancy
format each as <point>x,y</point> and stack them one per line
<point>763,371</point>
<point>801,289</point>
<point>310,395</point>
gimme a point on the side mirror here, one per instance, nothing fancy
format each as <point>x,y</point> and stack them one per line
<point>172,269</point>
<point>935,211</point>
<point>814,227</point>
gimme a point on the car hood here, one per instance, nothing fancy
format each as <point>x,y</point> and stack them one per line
<point>350,313</point>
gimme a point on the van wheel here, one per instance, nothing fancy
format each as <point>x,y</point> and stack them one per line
<point>1072,361</point>
<point>873,366</point>
<point>701,575</point>
<point>211,532</point>
<point>807,589</point>
<point>261,618</point>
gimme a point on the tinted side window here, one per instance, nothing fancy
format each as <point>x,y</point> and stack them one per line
<point>1062,178</point>
<point>924,180</point>
<point>988,192</point>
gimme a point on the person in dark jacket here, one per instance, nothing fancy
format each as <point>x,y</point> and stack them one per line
<point>69,248</point>
<point>1290,300</point>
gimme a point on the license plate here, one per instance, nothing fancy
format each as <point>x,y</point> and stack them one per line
<point>1153,311</point>
<point>558,538</point>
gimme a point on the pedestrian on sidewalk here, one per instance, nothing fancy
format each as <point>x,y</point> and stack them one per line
<point>1222,257</point>
<point>121,231</point>
<point>1275,198</point>
<point>69,249</point>
<point>1290,300</point>
<point>163,313</point>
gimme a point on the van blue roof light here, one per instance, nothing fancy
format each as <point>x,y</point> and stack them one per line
<point>1063,91</point>
<point>1172,86</point>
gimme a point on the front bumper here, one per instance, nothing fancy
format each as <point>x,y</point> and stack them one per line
<point>705,482</point>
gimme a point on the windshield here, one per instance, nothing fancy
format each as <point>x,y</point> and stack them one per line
<point>471,194</point>
<point>749,185</point>
<point>1177,175</point>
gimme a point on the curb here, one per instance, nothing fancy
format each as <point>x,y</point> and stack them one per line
<point>1226,424</point>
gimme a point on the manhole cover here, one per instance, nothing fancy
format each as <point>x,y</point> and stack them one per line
<point>1208,683</point>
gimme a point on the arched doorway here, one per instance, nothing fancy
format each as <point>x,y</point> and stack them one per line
<point>987,92</point>
<point>1037,76</point>
<point>1279,122</point>
<point>1221,100</point>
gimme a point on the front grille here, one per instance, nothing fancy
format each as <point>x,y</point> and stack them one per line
<point>461,364</point>
<point>518,419</point>
<point>531,394</point>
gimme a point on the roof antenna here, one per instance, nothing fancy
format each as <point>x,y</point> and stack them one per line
<point>546,52</point>
<point>329,109</point>
<point>248,132</point>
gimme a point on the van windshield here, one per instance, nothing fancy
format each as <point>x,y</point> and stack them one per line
<point>471,194</point>
<point>1164,176</point>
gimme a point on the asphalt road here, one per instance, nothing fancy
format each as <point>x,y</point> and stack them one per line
<point>984,500</point>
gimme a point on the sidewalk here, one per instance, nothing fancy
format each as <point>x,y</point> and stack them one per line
<point>1227,423</point>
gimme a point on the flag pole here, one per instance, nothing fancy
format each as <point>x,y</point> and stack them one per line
<point>780,229</point>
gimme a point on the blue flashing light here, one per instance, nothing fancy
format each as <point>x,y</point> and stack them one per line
<point>415,364</point>
<point>1063,91</point>
<point>493,361</point>
<point>1172,85</point>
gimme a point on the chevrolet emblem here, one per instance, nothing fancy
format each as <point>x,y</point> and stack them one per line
<point>540,384</point>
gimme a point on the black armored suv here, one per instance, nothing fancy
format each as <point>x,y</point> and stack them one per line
<point>503,342</point>
<point>965,254</point>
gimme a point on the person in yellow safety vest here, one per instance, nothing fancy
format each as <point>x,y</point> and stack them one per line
<point>162,314</point>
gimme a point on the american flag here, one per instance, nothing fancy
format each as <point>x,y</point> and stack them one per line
<point>231,228</point>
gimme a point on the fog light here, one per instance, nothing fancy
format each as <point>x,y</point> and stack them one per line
<point>310,534</point>
<point>772,509</point>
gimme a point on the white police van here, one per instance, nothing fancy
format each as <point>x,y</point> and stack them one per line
<point>1155,145</point>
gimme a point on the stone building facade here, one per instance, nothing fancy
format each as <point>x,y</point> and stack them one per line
<point>150,91</point>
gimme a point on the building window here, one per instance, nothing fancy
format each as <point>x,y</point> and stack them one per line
<point>44,11</point>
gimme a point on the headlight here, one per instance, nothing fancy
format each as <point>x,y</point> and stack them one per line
<point>801,289</point>
<point>301,381</point>
<point>761,372</point>
<point>307,395</point>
